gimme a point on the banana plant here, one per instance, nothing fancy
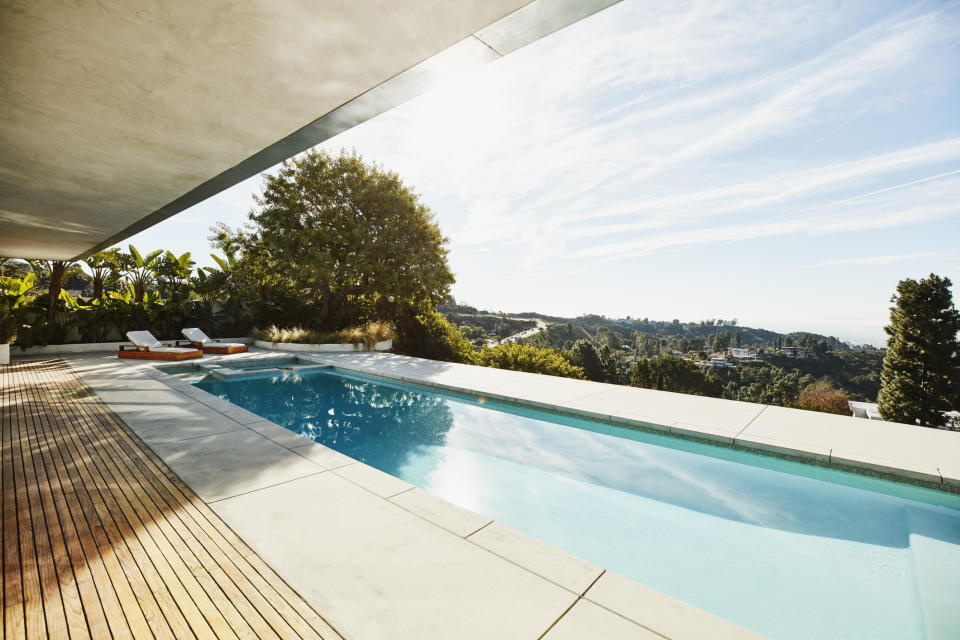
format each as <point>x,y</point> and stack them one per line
<point>173,274</point>
<point>103,266</point>
<point>14,295</point>
<point>140,270</point>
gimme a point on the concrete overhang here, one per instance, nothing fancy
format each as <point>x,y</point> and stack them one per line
<point>117,114</point>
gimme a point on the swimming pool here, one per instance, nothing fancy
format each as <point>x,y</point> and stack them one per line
<point>785,549</point>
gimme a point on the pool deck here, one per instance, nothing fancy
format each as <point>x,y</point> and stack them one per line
<point>370,553</point>
<point>101,540</point>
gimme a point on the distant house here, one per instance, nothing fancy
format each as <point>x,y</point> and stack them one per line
<point>720,361</point>
<point>794,352</point>
<point>742,353</point>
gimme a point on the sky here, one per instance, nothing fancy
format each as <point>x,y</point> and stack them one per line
<point>781,163</point>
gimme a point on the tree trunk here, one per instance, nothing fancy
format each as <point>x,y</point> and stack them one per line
<point>57,270</point>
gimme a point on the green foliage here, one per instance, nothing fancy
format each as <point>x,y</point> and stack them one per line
<point>921,371</point>
<point>103,267</point>
<point>500,326</point>
<point>646,346</point>
<point>666,373</point>
<point>522,357</point>
<point>559,336</point>
<point>427,334</point>
<point>855,372</point>
<point>599,365</point>
<point>584,355</point>
<point>330,238</point>
<point>14,294</point>
<point>172,274</point>
<point>139,270</point>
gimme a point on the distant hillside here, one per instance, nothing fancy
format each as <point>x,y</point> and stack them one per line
<point>856,370</point>
<point>669,330</point>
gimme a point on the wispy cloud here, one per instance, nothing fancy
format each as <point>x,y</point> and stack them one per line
<point>886,259</point>
<point>671,119</point>
<point>920,203</point>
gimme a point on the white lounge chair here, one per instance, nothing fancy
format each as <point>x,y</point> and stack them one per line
<point>146,347</point>
<point>200,340</point>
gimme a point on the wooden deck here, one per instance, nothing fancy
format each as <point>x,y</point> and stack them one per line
<point>101,539</point>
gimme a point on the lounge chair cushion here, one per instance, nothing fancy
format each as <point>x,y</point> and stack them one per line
<point>143,339</point>
<point>195,335</point>
<point>172,349</point>
<point>198,336</point>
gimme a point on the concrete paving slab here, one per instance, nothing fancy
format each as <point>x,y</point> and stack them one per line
<point>224,465</point>
<point>454,519</point>
<point>373,480</point>
<point>781,448</point>
<point>659,612</point>
<point>180,426</point>
<point>243,416</point>
<point>278,434</point>
<point>566,570</point>
<point>926,473</point>
<point>324,457</point>
<point>378,571</point>
<point>588,620</point>
<point>712,416</point>
<point>901,444</point>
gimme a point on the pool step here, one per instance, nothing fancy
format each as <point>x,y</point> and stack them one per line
<point>225,373</point>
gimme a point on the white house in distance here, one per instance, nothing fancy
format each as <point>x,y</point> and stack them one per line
<point>742,353</point>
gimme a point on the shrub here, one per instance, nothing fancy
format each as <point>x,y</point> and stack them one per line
<point>823,396</point>
<point>369,335</point>
<point>523,357</point>
<point>430,335</point>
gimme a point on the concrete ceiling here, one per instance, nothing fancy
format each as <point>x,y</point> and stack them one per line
<point>115,115</point>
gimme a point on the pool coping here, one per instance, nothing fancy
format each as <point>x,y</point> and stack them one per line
<point>581,594</point>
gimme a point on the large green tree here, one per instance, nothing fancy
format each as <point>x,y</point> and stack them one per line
<point>334,238</point>
<point>922,366</point>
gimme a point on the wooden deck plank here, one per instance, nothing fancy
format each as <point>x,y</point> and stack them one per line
<point>93,528</point>
<point>204,596</point>
<point>59,547</point>
<point>253,575</point>
<point>117,549</point>
<point>52,602</point>
<point>30,593</point>
<point>244,585</point>
<point>100,539</point>
<point>243,620</point>
<point>14,617</point>
<point>89,574</point>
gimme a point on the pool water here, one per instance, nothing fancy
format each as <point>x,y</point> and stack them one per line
<point>791,551</point>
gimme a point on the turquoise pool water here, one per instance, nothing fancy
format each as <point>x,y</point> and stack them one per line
<point>791,551</point>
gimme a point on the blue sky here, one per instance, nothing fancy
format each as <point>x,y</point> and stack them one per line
<point>781,163</point>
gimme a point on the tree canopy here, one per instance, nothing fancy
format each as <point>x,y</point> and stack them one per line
<point>921,371</point>
<point>333,237</point>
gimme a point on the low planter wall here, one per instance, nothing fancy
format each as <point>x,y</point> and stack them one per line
<point>87,347</point>
<point>296,347</point>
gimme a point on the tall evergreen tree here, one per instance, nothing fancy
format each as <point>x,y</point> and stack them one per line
<point>922,365</point>
<point>584,354</point>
